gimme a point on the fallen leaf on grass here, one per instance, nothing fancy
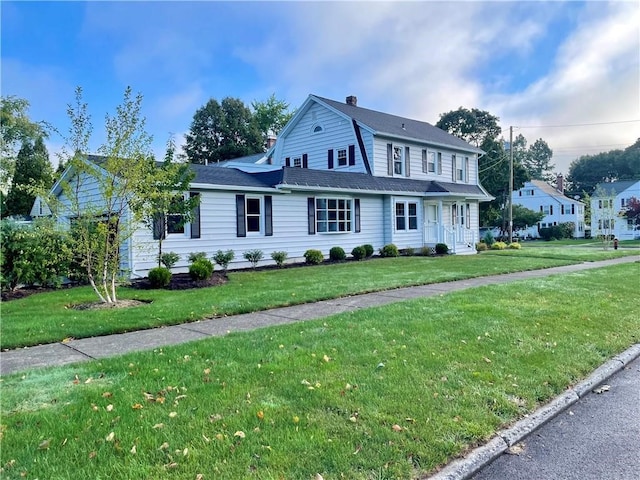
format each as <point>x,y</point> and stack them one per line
<point>396,428</point>
<point>110,437</point>
<point>44,445</point>
<point>239,434</point>
<point>158,425</point>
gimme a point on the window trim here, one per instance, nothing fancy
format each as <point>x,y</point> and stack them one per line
<point>406,216</point>
<point>325,217</point>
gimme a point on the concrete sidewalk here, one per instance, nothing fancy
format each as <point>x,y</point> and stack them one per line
<point>111,345</point>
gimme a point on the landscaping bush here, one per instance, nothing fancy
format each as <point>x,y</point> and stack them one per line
<point>253,256</point>
<point>409,252</point>
<point>337,254</point>
<point>279,258</point>
<point>159,277</point>
<point>442,249</point>
<point>515,246</point>
<point>195,256</point>
<point>169,259</point>
<point>313,257</point>
<point>488,238</point>
<point>201,269</point>
<point>359,252</point>
<point>481,247</point>
<point>368,250</point>
<point>224,258</point>
<point>389,250</point>
<point>38,254</point>
<point>498,246</point>
<point>425,251</point>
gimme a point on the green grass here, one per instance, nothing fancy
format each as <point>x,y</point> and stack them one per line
<point>49,317</point>
<point>388,392</point>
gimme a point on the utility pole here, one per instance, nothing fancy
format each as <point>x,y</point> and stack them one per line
<point>510,184</point>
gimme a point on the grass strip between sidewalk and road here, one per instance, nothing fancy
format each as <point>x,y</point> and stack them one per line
<point>50,317</point>
<point>384,393</point>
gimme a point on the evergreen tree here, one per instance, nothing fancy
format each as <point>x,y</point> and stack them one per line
<point>538,161</point>
<point>33,172</point>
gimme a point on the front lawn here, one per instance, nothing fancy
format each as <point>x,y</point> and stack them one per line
<point>50,317</point>
<point>389,392</point>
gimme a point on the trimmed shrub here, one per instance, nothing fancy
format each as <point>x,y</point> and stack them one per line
<point>409,251</point>
<point>425,251</point>
<point>498,246</point>
<point>442,249</point>
<point>195,256</point>
<point>201,269</point>
<point>515,246</point>
<point>224,258</point>
<point>159,277</point>
<point>359,252</point>
<point>169,259</point>
<point>279,258</point>
<point>488,238</point>
<point>37,254</point>
<point>337,254</point>
<point>368,249</point>
<point>389,250</point>
<point>313,257</point>
<point>481,247</point>
<point>253,257</point>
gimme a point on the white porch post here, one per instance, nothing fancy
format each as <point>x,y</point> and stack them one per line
<point>441,222</point>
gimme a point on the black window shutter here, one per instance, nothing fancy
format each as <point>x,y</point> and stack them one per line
<point>287,162</point>
<point>356,213</point>
<point>159,227</point>
<point>305,160</point>
<point>330,159</point>
<point>352,155</point>
<point>241,228</point>
<point>268,216</point>
<point>195,221</point>
<point>389,159</point>
<point>311,215</point>
<point>407,162</point>
<point>550,209</point>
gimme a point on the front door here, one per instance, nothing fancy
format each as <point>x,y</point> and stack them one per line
<point>431,222</point>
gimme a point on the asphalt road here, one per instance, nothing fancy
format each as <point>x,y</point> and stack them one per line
<point>597,438</point>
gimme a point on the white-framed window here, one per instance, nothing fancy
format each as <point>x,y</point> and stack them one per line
<point>406,216</point>
<point>547,209</point>
<point>429,161</point>
<point>297,162</point>
<point>398,160</point>
<point>461,166</point>
<point>253,214</point>
<point>341,154</point>
<point>333,215</point>
<point>317,128</point>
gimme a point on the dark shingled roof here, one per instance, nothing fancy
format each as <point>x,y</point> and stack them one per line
<point>384,123</point>
<point>213,175</point>
<point>618,187</point>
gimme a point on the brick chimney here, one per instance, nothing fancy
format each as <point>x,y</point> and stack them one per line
<point>560,183</point>
<point>352,100</point>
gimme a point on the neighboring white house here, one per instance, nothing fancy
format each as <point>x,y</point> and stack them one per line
<point>541,197</point>
<point>608,202</point>
<point>338,175</point>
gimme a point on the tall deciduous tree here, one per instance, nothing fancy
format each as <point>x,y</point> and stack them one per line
<point>222,131</point>
<point>473,126</point>
<point>33,173</point>
<point>99,196</point>
<point>586,172</point>
<point>270,116</point>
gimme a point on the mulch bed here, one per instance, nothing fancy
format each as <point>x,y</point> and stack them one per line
<point>182,281</point>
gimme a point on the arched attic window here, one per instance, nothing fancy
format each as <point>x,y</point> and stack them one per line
<point>317,128</point>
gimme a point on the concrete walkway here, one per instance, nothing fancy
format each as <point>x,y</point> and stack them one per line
<point>111,345</point>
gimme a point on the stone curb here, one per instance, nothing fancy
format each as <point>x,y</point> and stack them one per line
<point>464,468</point>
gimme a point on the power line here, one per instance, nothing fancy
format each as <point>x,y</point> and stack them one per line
<point>577,124</point>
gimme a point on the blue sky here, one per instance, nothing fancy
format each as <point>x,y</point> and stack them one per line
<point>532,64</point>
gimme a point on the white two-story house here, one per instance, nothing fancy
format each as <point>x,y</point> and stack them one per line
<point>539,196</point>
<point>338,175</point>
<point>608,204</point>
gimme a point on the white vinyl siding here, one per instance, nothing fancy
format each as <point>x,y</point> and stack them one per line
<point>290,231</point>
